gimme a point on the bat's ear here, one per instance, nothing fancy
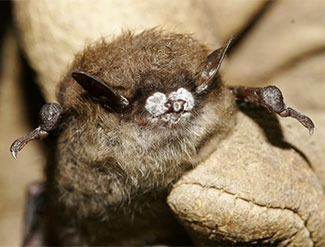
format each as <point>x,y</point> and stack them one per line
<point>100,92</point>
<point>211,66</point>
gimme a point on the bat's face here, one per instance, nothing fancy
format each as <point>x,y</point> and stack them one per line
<point>151,88</point>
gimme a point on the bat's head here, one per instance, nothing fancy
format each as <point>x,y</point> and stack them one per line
<point>154,80</point>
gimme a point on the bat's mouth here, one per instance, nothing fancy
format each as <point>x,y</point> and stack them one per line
<point>171,118</point>
<point>170,109</point>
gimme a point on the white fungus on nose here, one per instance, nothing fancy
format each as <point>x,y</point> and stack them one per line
<point>183,95</point>
<point>156,103</point>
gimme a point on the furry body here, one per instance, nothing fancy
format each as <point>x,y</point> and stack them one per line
<point>110,173</point>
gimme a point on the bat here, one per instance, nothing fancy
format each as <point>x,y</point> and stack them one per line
<point>134,114</point>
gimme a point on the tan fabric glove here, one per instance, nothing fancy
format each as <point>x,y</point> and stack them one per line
<point>258,187</point>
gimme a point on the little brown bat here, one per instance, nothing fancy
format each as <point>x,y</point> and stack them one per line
<point>134,114</point>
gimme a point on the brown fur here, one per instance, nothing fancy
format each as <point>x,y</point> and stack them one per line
<point>110,173</point>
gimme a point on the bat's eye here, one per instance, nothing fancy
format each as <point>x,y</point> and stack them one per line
<point>171,108</point>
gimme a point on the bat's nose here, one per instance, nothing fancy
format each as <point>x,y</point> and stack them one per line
<point>175,105</point>
<point>180,101</point>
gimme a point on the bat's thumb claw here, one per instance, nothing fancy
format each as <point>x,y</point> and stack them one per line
<point>14,149</point>
<point>18,144</point>
<point>49,117</point>
<point>308,123</point>
<point>14,154</point>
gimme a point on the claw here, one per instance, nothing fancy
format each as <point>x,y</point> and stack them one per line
<point>14,154</point>
<point>303,119</point>
<point>49,117</point>
<point>18,144</point>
